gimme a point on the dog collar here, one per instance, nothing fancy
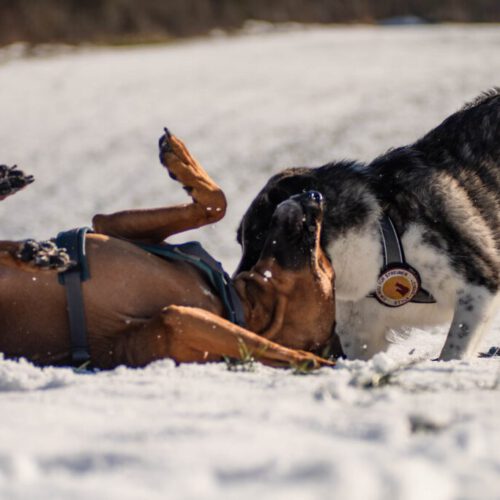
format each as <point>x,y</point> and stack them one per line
<point>398,282</point>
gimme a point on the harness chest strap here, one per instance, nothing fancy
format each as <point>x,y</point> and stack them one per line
<point>74,242</point>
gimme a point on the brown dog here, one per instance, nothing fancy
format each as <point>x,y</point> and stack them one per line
<point>140,308</point>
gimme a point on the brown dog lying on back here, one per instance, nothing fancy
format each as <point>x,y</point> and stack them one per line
<point>139,307</point>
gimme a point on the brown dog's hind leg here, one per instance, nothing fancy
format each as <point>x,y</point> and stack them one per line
<point>12,180</point>
<point>189,334</point>
<point>29,254</point>
<point>155,225</point>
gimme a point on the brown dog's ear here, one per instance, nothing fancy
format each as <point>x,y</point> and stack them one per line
<point>254,227</point>
<point>296,184</point>
<point>277,195</point>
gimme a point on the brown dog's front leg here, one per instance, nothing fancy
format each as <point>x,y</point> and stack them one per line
<point>190,334</point>
<point>155,225</point>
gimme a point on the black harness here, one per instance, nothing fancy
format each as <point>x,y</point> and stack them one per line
<point>74,243</point>
<point>192,252</point>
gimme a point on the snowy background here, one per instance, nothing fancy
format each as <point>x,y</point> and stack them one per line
<point>86,122</point>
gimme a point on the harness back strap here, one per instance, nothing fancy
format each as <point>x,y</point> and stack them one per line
<point>74,243</point>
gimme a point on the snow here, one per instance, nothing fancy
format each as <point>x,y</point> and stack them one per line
<point>85,123</point>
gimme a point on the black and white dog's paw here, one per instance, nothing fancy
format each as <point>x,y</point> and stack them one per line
<point>12,180</point>
<point>491,353</point>
<point>44,255</point>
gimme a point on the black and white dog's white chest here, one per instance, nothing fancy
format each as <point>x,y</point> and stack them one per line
<point>365,326</point>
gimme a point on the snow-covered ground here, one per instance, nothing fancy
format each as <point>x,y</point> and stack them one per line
<point>86,124</point>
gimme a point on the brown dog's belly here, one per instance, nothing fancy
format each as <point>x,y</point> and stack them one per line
<point>127,288</point>
<point>33,322</point>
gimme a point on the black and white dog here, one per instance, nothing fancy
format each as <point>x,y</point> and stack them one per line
<point>414,235</point>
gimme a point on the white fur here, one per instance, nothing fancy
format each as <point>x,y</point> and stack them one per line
<point>357,255</point>
<point>474,311</point>
<point>357,258</point>
<point>365,326</point>
<point>436,273</point>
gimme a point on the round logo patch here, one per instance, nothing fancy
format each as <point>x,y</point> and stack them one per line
<point>397,286</point>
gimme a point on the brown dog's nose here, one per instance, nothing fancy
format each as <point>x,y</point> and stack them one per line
<point>315,196</point>
<point>307,198</point>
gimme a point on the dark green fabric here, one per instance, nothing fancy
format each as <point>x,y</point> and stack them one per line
<point>196,255</point>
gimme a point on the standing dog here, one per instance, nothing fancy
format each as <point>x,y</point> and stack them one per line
<point>418,229</point>
<point>139,307</point>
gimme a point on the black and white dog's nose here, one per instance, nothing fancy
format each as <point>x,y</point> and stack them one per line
<point>315,196</point>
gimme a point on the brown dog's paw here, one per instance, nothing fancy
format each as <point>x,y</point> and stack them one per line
<point>12,180</point>
<point>165,146</point>
<point>44,255</point>
<point>174,156</point>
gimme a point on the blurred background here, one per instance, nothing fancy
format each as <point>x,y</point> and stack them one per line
<point>252,86</point>
<point>118,21</point>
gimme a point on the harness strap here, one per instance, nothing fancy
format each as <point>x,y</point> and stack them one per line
<point>74,243</point>
<point>196,255</point>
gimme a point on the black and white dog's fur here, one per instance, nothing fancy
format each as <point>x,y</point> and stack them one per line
<point>443,194</point>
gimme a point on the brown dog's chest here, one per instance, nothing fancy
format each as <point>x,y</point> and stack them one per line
<point>128,286</point>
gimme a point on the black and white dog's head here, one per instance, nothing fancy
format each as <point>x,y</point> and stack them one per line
<point>347,197</point>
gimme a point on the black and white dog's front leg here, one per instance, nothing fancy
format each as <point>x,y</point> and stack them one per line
<point>474,311</point>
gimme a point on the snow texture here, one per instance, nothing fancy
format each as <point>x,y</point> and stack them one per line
<point>86,122</point>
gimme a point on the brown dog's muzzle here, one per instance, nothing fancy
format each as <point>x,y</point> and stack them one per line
<point>294,231</point>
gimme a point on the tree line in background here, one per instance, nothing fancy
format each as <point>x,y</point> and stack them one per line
<point>74,21</point>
